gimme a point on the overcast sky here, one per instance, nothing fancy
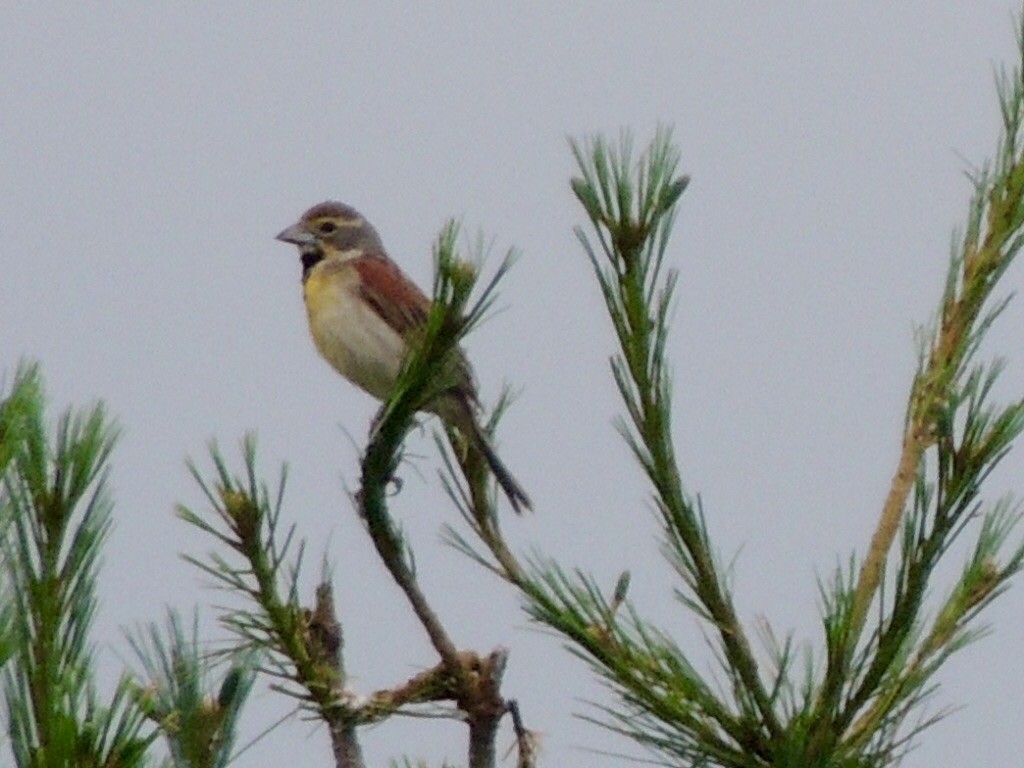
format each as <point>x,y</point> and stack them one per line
<point>150,152</point>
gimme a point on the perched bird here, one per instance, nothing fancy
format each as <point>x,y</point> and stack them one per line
<point>363,312</point>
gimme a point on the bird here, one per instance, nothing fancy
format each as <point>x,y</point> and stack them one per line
<point>363,313</point>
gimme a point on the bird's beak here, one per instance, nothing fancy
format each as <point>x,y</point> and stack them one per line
<point>296,234</point>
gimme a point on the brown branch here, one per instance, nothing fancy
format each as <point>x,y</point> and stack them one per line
<point>526,741</point>
<point>324,642</point>
<point>389,548</point>
<point>476,692</point>
<point>345,746</point>
<point>931,390</point>
<point>914,444</point>
<point>471,681</point>
<point>982,261</point>
<point>484,707</point>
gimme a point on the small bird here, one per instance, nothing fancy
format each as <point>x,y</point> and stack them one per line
<point>363,311</point>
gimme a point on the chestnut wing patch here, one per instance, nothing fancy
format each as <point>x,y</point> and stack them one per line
<point>393,296</point>
<point>404,307</point>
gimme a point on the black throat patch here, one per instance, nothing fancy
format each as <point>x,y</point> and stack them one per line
<point>310,258</point>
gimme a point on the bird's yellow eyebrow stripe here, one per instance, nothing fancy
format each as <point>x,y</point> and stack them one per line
<point>346,223</point>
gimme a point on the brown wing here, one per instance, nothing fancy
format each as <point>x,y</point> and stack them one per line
<point>393,296</point>
<point>403,306</point>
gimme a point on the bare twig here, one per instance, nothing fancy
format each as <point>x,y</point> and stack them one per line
<point>526,742</point>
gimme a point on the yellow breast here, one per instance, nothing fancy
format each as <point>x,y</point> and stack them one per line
<point>347,331</point>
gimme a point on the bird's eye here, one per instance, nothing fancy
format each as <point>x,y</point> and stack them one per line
<point>328,227</point>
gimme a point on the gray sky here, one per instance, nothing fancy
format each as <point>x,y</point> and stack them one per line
<point>151,153</point>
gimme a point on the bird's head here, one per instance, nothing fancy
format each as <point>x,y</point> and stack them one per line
<point>332,229</point>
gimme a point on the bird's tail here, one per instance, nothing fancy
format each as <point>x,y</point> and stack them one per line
<point>481,441</point>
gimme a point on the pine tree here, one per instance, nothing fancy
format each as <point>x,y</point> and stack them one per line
<point>855,698</point>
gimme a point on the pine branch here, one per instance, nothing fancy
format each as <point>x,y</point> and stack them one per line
<point>299,646</point>
<point>56,516</point>
<point>953,438</point>
<point>197,716</point>
<point>303,647</point>
<point>428,372</point>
